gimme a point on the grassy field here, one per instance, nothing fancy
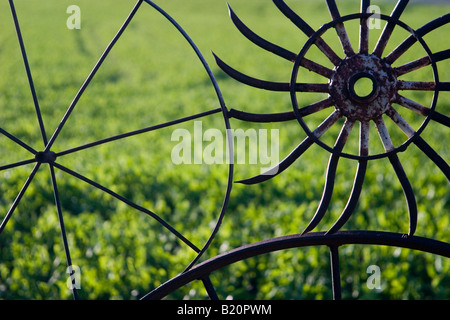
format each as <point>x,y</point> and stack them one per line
<point>152,76</point>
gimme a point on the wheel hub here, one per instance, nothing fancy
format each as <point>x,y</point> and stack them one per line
<point>346,81</point>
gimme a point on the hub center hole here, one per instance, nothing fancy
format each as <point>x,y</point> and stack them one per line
<point>362,87</point>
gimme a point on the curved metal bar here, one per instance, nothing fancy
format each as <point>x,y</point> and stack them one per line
<point>227,125</point>
<point>339,238</point>
<point>283,165</point>
<point>420,142</point>
<point>261,117</point>
<point>306,29</point>
<point>433,155</point>
<point>389,28</point>
<point>330,177</point>
<point>296,153</point>
<point>282,52</point>
<point>408,191</point>
<point>422,31</point>
<point>358,182</point>
<point>262,43</point>
<point>401,175</point>
<point>269,85</point>
<point>283,116</point>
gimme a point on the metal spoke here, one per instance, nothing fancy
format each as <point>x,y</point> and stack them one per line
<point>335,273</point>
<point>140,131</point>
<point>359,179</point>
<point>306,28</point>
<point>420,142</point>
<point>91,76</point>
<point>296,153</point>
<point>408,42</point>
<point>401,175</point>
<point>412,105</point>
<point>130,203</point>
<point>210,288</point>
<point>282,116</point>
<point>28,71</point>
<point>61,224</point>
<point>261,117</point>
<point>17,164</point>
<point>330,176</point>
<point>286,54</point>
<point>364,29</point>
<point>422,62</point>
<point>19,197</point>
<point>18,141</point>
<point>340,28</point>
<point>389,28</point>
<point>433,155</point>
<point>422,110</point>
<point>269,85</point>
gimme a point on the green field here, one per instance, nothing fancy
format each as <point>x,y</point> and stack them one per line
<point>152,76</point>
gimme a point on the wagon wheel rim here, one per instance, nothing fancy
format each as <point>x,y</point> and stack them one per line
<point>47,156</point>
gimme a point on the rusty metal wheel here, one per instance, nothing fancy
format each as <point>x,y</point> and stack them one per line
<point>379,101</point>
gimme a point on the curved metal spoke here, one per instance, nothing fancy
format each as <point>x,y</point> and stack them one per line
<point>269,85</point>
<point>249,34</point>
<point>359,179</point>
<point>433,155</point>
<point>19,197</point>
<point>340,28</point>
<point>296,153</point>
<point>140,131</point>
<point>330,177</point>
<point>364,29</point>
<point>284,53</point>
<point>401,175</point>
<point>128,202</point>
<point>420,142</point>
<point>408,42</point>
<point>28,71</point>
<point>389,28</point>
<point>306,28</point>
<point>261,117</point>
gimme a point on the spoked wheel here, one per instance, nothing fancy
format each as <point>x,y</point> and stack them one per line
<point>380,102</point>
<point>48,159</point>
<point>370,108</point>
